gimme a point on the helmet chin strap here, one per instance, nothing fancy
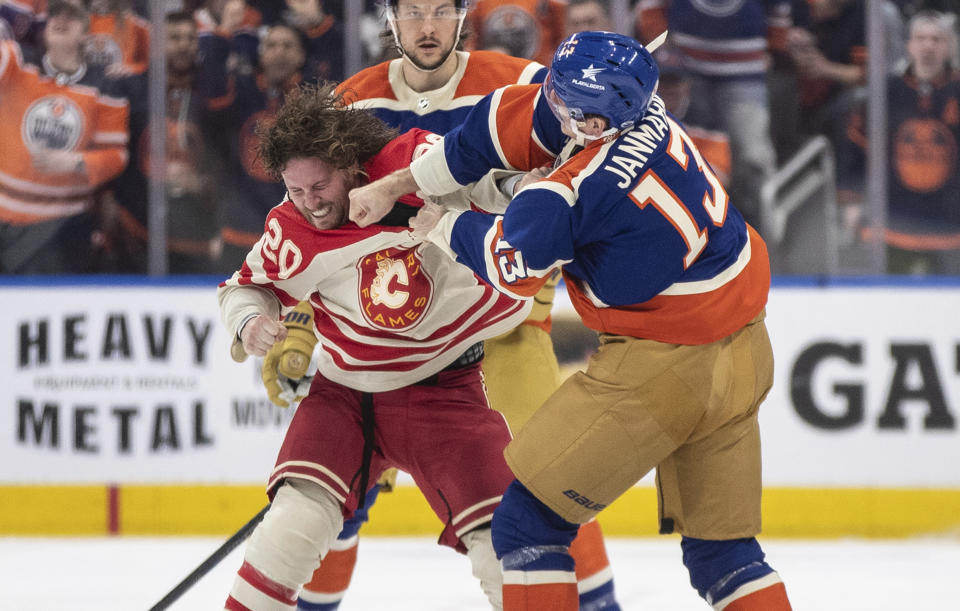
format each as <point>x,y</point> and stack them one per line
<point>578,136</point>
<point>582,138</point>
<point>396,43</point>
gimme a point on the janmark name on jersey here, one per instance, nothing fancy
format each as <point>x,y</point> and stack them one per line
<point>637,144</point>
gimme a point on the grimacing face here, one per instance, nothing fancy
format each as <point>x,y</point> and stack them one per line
<point>320,191</point>
<point>427,30</point>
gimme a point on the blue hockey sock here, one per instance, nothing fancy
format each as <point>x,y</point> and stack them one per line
<point>600,598</point>
<point>717,568</point>
<point>360,517</point>
<point>532,543</point>
<point>528,535</point>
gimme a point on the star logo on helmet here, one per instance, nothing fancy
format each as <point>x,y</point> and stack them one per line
<point>591,72</point>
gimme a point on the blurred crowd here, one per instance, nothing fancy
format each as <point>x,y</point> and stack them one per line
<point>752,80</point>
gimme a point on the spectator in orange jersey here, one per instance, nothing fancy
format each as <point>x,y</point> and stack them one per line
<point>63,141</point>
<point>119,39</point>
<point>923,199</point>
<point>530,29</point>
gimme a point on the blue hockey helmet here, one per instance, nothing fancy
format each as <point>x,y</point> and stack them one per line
<point>601,73</point>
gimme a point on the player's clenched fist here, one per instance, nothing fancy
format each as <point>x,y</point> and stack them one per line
<point>369,204</point>
<point>372,202</point>
<point>260,333</point>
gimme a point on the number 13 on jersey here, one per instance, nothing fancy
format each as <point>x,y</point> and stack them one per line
<point>653,191</point>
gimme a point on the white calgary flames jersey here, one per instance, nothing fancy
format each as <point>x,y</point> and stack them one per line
<point>389,310</point>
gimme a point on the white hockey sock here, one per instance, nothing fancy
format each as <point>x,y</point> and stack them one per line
<point>286,547</point>
<point>486,567</point>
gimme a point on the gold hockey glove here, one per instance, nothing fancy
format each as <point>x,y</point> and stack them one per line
<point>285,368</point>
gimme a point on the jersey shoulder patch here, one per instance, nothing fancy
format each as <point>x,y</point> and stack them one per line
<point>372,82</point>
<point>487,70</point>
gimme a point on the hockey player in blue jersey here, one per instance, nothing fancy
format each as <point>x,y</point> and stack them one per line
<point>666,270</point>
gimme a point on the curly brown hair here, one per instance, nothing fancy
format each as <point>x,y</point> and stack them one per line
<point>315,122</point>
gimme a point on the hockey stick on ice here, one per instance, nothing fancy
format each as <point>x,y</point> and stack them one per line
<point>222,552</point>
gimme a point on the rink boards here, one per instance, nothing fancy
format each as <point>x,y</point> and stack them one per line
<point>123,413</point>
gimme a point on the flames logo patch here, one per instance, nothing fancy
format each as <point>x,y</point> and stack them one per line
<point>394,289</point>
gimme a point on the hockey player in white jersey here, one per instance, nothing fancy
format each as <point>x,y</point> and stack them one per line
<point>400,329</point>
<point>433,85</point>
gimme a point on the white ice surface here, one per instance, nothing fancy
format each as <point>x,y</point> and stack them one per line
<point>398,574</point>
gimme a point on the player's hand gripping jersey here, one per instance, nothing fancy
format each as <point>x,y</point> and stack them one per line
<point>656,274</point>
<point>389,309</point>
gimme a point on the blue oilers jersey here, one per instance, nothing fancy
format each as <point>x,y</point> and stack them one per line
<point>383,89</point>
<point>719,38</point>
<point>649,243</point>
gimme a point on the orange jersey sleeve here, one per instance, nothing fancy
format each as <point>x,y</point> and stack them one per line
<point>108,155</point>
